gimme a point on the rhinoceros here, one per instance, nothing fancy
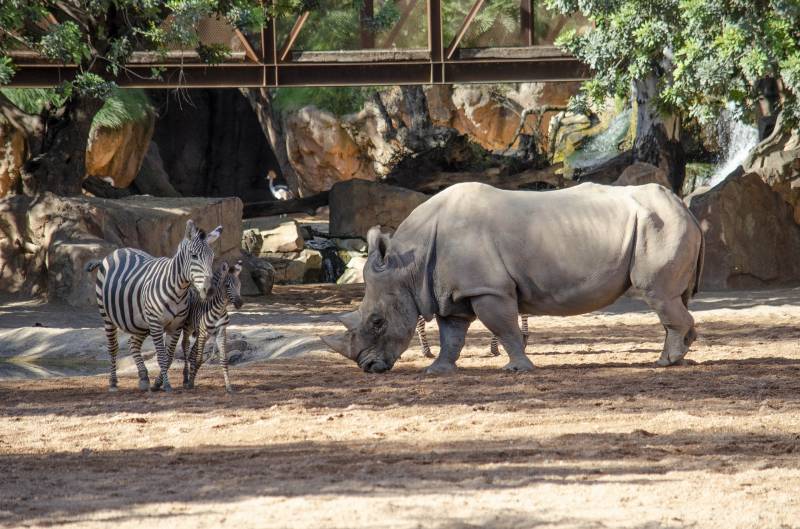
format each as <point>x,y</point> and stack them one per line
<point>474,251</point>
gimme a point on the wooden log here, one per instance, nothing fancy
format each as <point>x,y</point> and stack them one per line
<point>269,208</point>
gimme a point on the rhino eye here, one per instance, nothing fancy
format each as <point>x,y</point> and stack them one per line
<point>377,322</point>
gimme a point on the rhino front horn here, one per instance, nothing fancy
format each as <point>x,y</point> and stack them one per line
<point>338,343</point>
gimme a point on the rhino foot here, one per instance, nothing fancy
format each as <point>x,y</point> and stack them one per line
<point>519,365</point>
<point>440,368</point>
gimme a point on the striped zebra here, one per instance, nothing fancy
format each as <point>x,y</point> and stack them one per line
<point>494,346</point>
<point>208,318</point>
<point>145,295</point>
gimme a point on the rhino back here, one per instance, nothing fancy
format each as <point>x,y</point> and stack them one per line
<point>560,252</point>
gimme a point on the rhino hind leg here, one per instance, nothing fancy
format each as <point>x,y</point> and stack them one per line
<point>500,315</point>
<point>679,325</point>
<point>452,334</point>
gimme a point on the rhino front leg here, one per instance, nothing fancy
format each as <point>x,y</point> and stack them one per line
<point>500,315</point>
<point>452,333</point>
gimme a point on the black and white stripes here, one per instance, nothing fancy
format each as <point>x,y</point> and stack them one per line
<point>145,295</point>
<point>494,346</point>
<point>208,318</point>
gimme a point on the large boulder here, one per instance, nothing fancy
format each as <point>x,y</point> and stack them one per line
<point>13,152</point>
<point>117,153</point>
<point>641,173</point>
<point>322,152</point>
<point>358,205</point>
<point>271,235</point>
<point>751,237</point>
<point>304,266</point>
<point>777,162</point>
<point>46,241</point>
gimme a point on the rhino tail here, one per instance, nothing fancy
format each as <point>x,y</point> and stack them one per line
<point>693,289</point>
<point>701,258</point>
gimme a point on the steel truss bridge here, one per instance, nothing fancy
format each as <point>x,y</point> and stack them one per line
<point>269,58</point>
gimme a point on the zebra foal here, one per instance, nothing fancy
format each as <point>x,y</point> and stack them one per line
<point>494,348</point>
<point>149,296</point>
<point>208,318</point>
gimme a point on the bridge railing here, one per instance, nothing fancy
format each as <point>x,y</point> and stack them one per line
<point>427,42</point>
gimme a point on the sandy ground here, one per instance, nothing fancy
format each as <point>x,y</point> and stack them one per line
<point>596,437</point>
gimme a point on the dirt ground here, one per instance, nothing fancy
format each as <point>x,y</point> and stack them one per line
<point>596,437</point>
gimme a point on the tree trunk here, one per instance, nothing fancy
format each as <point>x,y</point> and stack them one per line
<point>658,140</point>
<point>58,149</point>
<point>272,125</point>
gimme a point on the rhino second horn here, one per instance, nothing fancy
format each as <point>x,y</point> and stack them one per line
<point>339,344</point>
<point>351,320</point>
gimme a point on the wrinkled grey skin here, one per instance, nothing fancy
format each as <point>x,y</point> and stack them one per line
<point>474,251</point>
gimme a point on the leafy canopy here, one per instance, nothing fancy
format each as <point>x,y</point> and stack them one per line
<point>706,52</point>
<point>100,36</point>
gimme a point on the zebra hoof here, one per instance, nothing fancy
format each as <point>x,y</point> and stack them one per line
<point>230,390</point>
<point>144,385</point>
<point>113,389</point>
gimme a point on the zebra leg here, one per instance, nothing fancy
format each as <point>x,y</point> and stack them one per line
<point>223,347</point>
<point>135,345</point>
<point>423,338</point>
<point>494,346</point>
<point>186,353</point>
<point>525,332</point>
<point>197,354</point>
<point>157,333</point>
<point>171,345</point>
<point>113,350</point>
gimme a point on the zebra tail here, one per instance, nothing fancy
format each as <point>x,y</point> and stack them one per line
<point>91,265</point>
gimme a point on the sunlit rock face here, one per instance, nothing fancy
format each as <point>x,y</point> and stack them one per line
<point>13,152</point>
<point>750,234</point>
<point>117,153</point>
<point>322,152</point>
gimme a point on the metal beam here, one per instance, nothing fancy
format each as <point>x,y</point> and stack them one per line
<point>293,34</point>
<point>473,12</point>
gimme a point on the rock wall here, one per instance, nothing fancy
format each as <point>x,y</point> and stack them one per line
<point>211,144</point>
<point>118,153</point>
<point>751,237</point>
<point>358,205</point>
<point>45,242</point>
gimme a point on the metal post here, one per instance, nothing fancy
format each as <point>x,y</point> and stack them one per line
<point>526,22</point>
<point>435,44</point>
<point>367,33</point>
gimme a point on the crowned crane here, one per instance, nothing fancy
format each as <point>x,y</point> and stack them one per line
<point>280,192</point>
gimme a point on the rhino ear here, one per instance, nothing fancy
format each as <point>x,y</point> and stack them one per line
<point>377,243</point>
<point>351,319</point>
<point>339,343</point>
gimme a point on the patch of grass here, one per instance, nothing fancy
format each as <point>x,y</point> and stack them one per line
<point>124,106</point>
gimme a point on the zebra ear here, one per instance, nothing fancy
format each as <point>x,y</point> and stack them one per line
<point>214,235</point>
<point>237,268</point>
<point>191,229</point>
<point>223,268</point>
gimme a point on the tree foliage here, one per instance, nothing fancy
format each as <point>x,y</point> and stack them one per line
<point>100,36</point>
<point>706,53</point>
